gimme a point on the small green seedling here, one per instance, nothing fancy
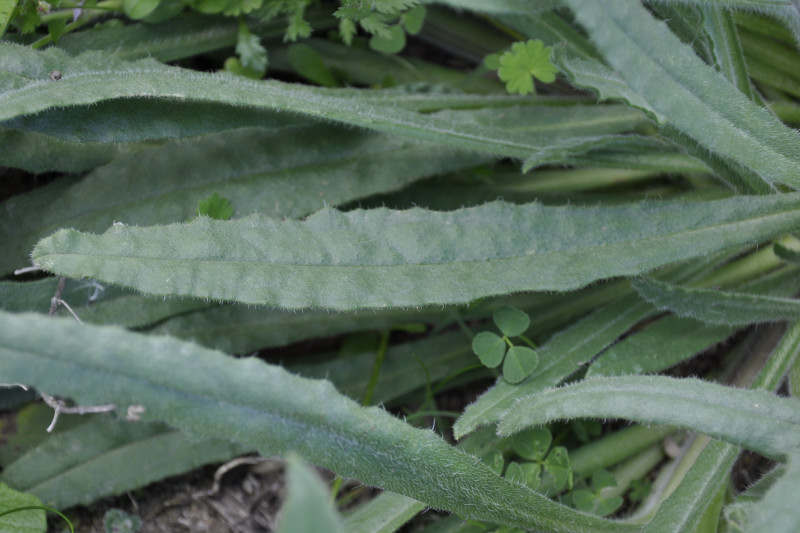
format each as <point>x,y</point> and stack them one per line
<point>118,521</point>
<point>216,207</point>
<point>596,500</point>
<point>548,469</point>
<point>520,65</point>
<point>493,349</point>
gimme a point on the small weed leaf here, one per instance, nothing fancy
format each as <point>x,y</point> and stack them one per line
<point>593,501</point>
<point>139,9</point>
<point>558,466</point>
<point>526,473</point>
<point>524,62</point>
<point>494,459</point>
<point>391,44</point>
<point>512,322</point>
<point>532,444</point>
<point>23,512</point>
<point>118,521</point>
<point>490,348</point>
<point>215,207</point>
<point>519,364</point>
<point>413,19</point>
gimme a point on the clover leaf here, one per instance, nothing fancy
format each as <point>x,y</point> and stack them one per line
<point>594,500</point>
<point>524,62</point>
<point>490,348</point>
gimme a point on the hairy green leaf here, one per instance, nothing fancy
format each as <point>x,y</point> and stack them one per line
<point>383,258</point>
<point>206,394</point>
<point>778,511</point>
<point>93,460</point>
<point>25,88</point>
<point>668,342</point>
<point>671,82</point>
<point>259,170</point>
<point>717,307</point>
<point>757,420</point>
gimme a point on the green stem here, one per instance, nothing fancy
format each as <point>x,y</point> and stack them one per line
<point>615,447</point>
<point>376,369</point>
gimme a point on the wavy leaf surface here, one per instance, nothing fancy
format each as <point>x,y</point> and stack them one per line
<point>757,420</point>
<point>207,394</point>
<point>383,258</point>
<point>282,172</point>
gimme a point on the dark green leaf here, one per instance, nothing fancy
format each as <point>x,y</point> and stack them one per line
<point>532,444</point>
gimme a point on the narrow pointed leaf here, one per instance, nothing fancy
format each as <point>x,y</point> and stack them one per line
<point>25,88</point>
<point>717,307</point>
<point>384,258</point>
<point>669,79</point>
<point>207,394</point>
<point>756,420</point>
<point>666,343</point>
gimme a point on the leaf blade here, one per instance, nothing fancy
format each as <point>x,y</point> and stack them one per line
<point>384,258</point>
<point>755,419</point>
<point>265,407</point>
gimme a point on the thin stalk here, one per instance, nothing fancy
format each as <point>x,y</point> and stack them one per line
<point>376,369</point>
<point>637,467</point>
<point>615,447</point>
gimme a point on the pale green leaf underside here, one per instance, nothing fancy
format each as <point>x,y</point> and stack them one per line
<point>778,511</point>
<point>383,258</point>
<point>668,79</point>
<point>207,394</point>
<point>717,307</point>
<point>757,420</point>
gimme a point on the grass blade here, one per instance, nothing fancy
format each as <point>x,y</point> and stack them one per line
<point>207,394</point>
<point>754,419</point>
<point>354,260</point>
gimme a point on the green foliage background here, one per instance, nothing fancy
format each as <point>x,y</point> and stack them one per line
<point>225,177</point>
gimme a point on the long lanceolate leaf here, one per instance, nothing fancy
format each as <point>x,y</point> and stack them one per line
<point>26,88</point>
<point>757,420</point>
<point>383,258</point>
<point>205,393</point>
<point>675,85</point>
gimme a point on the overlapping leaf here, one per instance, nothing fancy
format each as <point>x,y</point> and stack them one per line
<point>757,420</point>
<point>207,394</point>
<point>383,258</point>
<point>664,76</point>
